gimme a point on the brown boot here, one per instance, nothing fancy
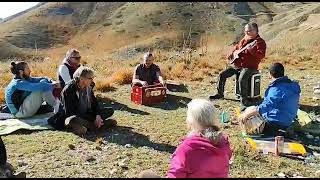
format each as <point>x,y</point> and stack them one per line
<point>109,123</point>
<point>76,127</point>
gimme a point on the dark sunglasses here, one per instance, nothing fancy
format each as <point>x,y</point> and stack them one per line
<point>79,57</point>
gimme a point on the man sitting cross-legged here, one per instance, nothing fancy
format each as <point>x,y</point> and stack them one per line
<point>80,110</point>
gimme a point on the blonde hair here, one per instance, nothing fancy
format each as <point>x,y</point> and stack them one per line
<point>203,117</point>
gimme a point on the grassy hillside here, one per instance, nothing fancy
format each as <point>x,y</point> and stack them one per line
<point>90,25</point>
<point>295,34</point>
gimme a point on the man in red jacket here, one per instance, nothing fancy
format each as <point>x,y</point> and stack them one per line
<point>247,63</point>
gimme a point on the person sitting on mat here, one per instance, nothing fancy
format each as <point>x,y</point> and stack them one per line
<point>24,95</point>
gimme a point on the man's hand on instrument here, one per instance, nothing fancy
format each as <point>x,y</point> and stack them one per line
<point>229,56</point>
<point>144,83</point>
<point>163,83</point>
<point>236,52</point>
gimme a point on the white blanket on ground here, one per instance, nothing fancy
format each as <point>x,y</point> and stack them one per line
<point>38,122</point>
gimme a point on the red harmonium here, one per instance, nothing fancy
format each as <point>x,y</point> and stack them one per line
<point>148,94</point>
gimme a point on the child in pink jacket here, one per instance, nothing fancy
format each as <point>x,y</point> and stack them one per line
<point>205,152</point>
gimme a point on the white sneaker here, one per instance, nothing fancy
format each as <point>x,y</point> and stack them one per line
<point>316,91</point>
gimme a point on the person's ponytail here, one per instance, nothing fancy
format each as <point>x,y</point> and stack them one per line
<point>13,67</point>
<point>16,66</point>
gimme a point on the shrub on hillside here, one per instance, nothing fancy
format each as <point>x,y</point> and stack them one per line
<point>178,69</point>
<point>197,76</point>
<point>122,76</point>
<point>1,95</point>
<point>119,16</point>
<point>104,85</point>
<point>165,72</point>
<point>43,71</point>
<point>156,24</point>
<point>107,24</point>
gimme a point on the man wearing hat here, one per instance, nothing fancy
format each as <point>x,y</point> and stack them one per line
<point>279,106</point>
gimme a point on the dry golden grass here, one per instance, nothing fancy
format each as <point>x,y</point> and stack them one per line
<point>165,72</point>
<point>5,78</point>
<point>203,63</point>
<point>179,70</point>
<point>122,76</point>
<point>104,85</point>
<point>2,95</point>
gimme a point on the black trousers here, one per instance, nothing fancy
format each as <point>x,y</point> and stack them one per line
<point>273,130</point>
<point>244,75</point>
<point>105,113</point>
<point>3,154</point>
<point>87,120</point>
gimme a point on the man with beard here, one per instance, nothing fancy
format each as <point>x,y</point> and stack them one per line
<point>147,73</point>
<point>246,56</point>
<point>24,95</point>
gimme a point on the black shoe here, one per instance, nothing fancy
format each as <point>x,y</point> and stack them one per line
<point>245,102</point>
<point>44,109</point>
<point>4,109</point>
<point>216,96</point>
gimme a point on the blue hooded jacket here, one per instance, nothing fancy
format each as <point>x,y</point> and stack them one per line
<point>26,86</point>
<point>281,102</point>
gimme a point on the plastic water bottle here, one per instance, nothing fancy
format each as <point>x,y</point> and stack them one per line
<point>279,145</point>
<point>224,117</point>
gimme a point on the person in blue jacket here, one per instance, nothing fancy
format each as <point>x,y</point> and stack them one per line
<point>279,106</point>
<point>25,94</point>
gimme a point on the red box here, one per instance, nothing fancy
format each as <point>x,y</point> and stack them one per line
<point>148,94</point>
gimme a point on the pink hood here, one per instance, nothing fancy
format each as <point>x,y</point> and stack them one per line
<point>198,157</point>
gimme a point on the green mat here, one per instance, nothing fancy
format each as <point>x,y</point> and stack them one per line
<point>38,122</point>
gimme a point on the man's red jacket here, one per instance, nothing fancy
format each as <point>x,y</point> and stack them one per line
<point>251,57</point>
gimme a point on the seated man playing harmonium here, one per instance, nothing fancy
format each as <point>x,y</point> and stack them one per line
<point>147,73</point>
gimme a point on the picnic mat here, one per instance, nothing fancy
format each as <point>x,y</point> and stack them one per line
<point>267,144</point>
<point>38,122</point>
<point>306,123</point>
